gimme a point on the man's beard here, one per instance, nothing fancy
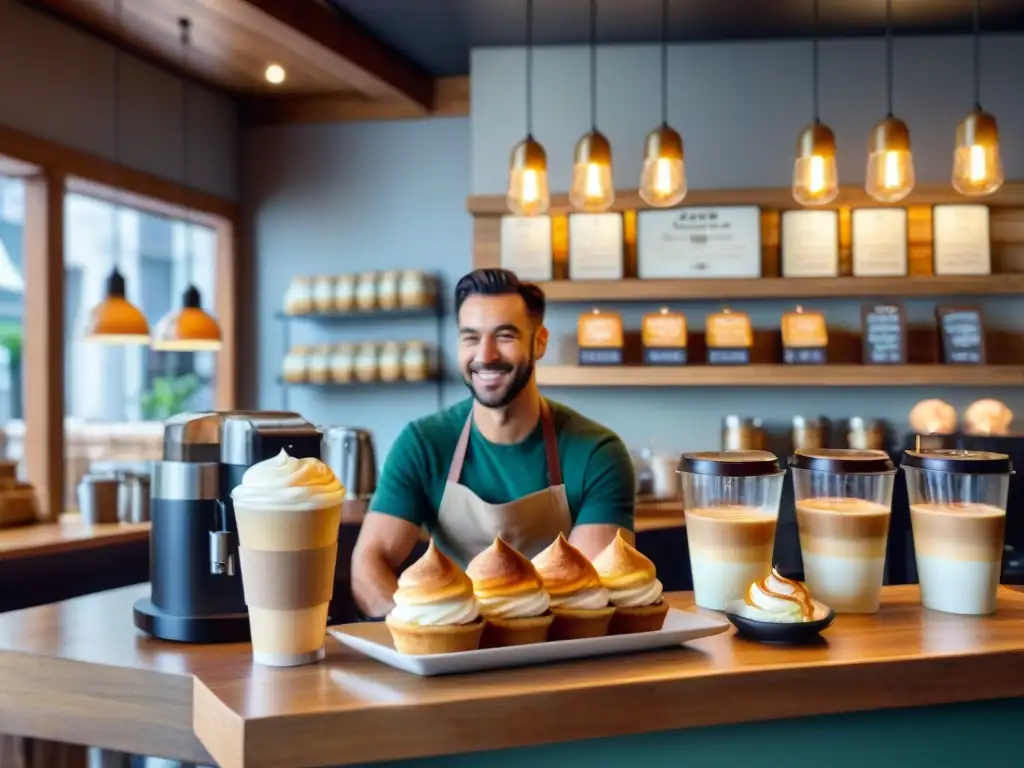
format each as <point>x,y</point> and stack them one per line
<point>520,378</point>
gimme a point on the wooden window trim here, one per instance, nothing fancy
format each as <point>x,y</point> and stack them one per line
<point>51,170</point>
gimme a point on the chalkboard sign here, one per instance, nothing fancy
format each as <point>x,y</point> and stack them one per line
<point>729,356</point>
<point>805,355</point>
<point>664,355</point>
<point>885,334</point>
<point>963,335</point>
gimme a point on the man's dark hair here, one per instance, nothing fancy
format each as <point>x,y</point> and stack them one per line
<point>500,282</point>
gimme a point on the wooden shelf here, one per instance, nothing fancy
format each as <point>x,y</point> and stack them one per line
<point>781,376</point>
<point>362,314</point>
<point>335,385</point>
<point>716,289</point>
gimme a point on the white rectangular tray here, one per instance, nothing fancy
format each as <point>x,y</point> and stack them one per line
<point>374,640</point>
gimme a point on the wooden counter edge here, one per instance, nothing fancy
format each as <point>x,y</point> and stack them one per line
<point>727,697</point>
<point>119,708</point>
<point>73,538</point>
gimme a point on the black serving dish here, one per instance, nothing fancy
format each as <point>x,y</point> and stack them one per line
<point>779,632</point>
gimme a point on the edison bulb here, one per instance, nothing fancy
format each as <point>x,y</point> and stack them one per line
<point>890,171</point>
<point>593,186</point>
<point>815,178</point>
<point>528,192</point>
<point>977,161</point>
<point>663,177</point>
<point>274,74</point>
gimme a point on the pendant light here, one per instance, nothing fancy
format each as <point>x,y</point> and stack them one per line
<point>815,178</point>
<point>890,174</point>
<point>663,178</point>
<point>593,188</point>
<point>189,329</point>
<point>115,320</point>
<point>528,193</point>
<point>977,162</point>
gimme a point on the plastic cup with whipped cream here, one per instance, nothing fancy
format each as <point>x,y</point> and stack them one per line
<point>288,513</point>
<point>731,501</point>
<point>843,501</point>
<point>958,515</point>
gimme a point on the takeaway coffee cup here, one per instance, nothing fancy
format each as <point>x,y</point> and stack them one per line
<point>843,504</point>
<point>958,515</point>
<point>288,513</point>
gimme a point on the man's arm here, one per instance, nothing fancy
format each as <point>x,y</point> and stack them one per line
<point>391,529</point>
<point>609,498</point>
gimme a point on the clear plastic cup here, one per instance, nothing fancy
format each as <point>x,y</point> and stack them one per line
<point>731,502</point>
<point>958,515</point>
<point>843,504</point>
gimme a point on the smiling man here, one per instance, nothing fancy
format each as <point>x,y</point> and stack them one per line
<point>504,462</point>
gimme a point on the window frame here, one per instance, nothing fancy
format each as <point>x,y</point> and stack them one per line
<point>50,171</point>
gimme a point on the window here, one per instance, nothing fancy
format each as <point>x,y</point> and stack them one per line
<point>116,397</point>
<point>12,312</point>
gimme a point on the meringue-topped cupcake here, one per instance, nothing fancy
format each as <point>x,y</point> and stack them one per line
<point>435,609</point>
<point>633,588</point>
<point>512,598</point>
<point>578,601</point>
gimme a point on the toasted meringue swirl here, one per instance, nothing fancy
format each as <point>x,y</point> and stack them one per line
<point>569,577</point>
<point>506,583</point>
<point>627,574</point>
<point>288,484</point>
<point>433,591</point>
<point>776,598</point>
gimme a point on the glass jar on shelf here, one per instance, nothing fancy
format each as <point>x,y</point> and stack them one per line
<point>342,362</point>
<point>298,298</point>
<point>366,291</point>
<point>365,365</point>
<point>387,289</point>
<point>417,364</point>
<point>319,371</point>
<point>323,293</point>
<point>293,368</point>
<point>345,293</point>
<point>416,289</point>
<point>389,361</point>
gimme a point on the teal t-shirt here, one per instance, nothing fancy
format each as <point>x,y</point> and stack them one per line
<point>596,468</point>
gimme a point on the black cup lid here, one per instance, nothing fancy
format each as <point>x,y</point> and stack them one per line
<point>842,461</point>
<point>730,463</point>
<point>958,461</point>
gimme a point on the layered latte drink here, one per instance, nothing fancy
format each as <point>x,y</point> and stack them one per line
<point>731,501</point>
<point>958,515</point>
<point>843,503</point>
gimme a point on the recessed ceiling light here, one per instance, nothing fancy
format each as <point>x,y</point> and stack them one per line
<point>275,74</point>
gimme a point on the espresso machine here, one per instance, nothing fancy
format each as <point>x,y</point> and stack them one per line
<point>196,584</point>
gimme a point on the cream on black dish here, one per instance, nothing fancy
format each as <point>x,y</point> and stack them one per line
<point>777,609</point>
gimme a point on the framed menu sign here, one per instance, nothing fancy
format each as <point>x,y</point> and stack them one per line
<point>804,338</point>
<point>723,241</point>
<point>810,244</point>
<point>885,334</point>
<point>879,242</point>
<point>963,335</point>
<point>961,240</point>
<point>526,246</point>
<point>595,246</point>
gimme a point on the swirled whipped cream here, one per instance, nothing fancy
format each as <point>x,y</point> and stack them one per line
<point>522,606</point>
<point>592,599</point>
<point>433,592</point>
<point>627,574</point>
<point>777,599</point>
<point>288,484</point>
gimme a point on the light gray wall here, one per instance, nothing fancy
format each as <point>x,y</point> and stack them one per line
<point>345,198</point>
<point>57,84</point>
<point>740,108</point>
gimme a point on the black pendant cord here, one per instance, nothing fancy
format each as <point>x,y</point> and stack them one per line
<point>529,68</point>
<point>977,55</point>
<point>814,61</point>
<point>664,62</point>
<point>115,209</point>
<point>888,54</point>
<point>593,65</point>
<point>186,29</point>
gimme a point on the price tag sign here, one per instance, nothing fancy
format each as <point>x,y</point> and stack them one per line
<point>963,335</point>
<point>884,328</point>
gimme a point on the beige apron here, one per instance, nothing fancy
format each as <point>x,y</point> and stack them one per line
<point>466,524</point>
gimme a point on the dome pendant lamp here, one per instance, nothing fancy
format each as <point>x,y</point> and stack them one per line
<point>189,329</point>
<point>977,161</point>
<point>115,320</point>
<point>815,178</point>
<point>890,172</point>
<point>528,192</point>
<point>663,178</point>
<point>593,188</point>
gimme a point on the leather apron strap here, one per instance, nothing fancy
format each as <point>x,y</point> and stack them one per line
<point>550,447</point>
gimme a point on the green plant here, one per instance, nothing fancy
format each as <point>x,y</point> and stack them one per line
<point>168,396</point>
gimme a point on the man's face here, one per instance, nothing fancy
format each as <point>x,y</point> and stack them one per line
<point>498,346</point>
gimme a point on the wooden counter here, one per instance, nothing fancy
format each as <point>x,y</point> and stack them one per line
<point>79,672</point>
<point>68,535</point>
